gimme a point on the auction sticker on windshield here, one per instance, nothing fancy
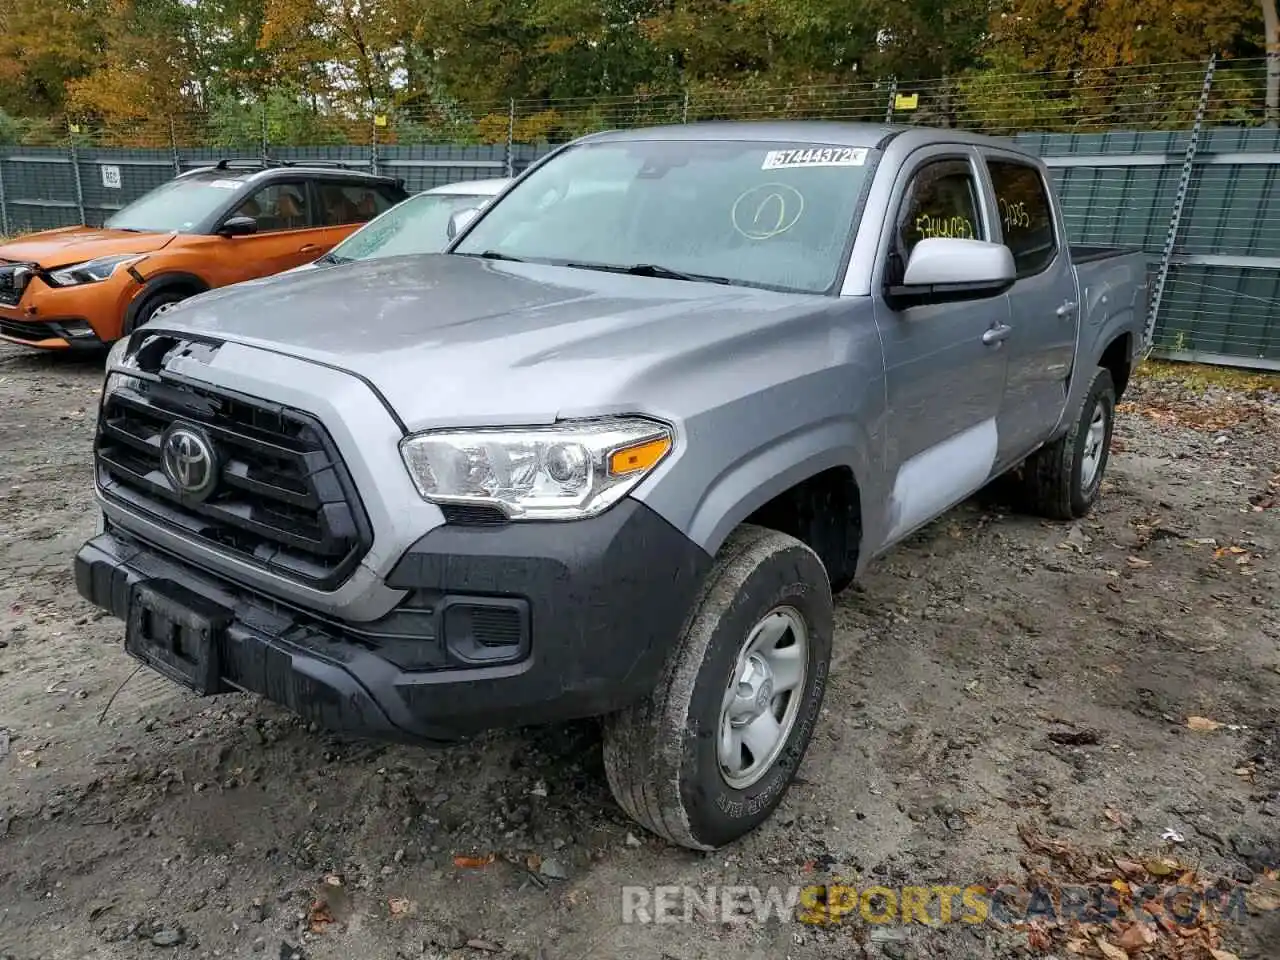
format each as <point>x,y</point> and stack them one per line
<point>815,157</point>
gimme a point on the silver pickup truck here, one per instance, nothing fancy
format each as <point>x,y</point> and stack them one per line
<point>612,452</point>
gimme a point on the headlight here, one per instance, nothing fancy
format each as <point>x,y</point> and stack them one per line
<point>563,472</point>
<point>115,379</point>
<point>92,271</point>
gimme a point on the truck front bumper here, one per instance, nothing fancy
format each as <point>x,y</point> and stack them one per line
<point>599,604</point>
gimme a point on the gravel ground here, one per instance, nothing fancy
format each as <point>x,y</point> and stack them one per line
<point>1010,701</point>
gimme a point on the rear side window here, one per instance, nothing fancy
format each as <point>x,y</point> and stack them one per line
<point>1025,214</point>
<point>342,203</point>
<point>941,201</point>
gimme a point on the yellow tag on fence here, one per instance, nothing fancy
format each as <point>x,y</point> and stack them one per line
<point>906,101</point>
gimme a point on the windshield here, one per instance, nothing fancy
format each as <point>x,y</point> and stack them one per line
<point>418,225</point>
<point>176,206</point>
<point>774,215</point>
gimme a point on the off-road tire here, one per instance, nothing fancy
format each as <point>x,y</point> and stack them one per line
<point>660,755</point>
<point>1052,477</point>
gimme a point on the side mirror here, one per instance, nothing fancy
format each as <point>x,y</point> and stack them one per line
<point>458,222</point>
<point>238,227</point>
<point>945,268</point>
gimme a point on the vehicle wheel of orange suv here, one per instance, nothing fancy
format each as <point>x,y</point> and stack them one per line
<point>150,306</point>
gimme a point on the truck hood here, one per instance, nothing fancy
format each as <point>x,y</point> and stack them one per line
<point>451,340</point>
<point>52,249</point>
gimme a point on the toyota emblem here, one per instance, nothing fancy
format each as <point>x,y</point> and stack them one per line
<point>190,462</point>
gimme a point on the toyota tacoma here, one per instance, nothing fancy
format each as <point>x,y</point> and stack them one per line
<point>613,451</point>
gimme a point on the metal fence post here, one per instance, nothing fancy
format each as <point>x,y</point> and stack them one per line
<point>373,145</point>
<point>511,138</point>
<point>893,99</point>
<point>265,139</point>
<point>1179,200</point>
<point>684,110</point>
<point>173,144</point>
<point>4,206</point>
<point>75,171</point>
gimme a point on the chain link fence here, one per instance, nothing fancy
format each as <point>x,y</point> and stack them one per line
<point>1181,159</point>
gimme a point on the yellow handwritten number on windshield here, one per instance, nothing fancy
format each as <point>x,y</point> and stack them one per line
<point>767,210</point>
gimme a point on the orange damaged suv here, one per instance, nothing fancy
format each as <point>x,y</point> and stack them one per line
<point>82,287</point>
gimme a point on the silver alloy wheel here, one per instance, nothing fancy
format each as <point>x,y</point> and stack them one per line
<point>1093,445</point>
<point>763,697</point>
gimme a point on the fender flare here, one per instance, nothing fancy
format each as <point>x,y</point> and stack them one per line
<point>157,284</point>
<point>769,471</point>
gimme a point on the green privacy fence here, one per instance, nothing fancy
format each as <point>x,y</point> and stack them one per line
<point>1209,217</point>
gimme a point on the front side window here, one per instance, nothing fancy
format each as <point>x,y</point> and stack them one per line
<point>419,225</point>
<point>280,206</point>
<point>1025,214</point>
<point>773,215</point>
<point>942,200</point>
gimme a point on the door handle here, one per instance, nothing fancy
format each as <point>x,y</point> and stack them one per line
<point>309,248</point>
<point>1068,308</point>
<point>997,334</point>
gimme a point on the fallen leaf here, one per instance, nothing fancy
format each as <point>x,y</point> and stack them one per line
<point>1160,866</point>
<point>1110,951</point>
<point>1078,946</point>
<point>1138,562</point>
<point>1222,954</point>
<point>333,880</point>
<point>533,862</point>
<point>484,945</point>
<point>400,907</point>
<point>1263,896</point>
<point>319,917</point>
<point>461,861</point>
<point>1115,816</point>
<point>1138,936</point>
<point>1203,724</point>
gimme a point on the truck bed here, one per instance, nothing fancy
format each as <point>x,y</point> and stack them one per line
<point>1081,253</point>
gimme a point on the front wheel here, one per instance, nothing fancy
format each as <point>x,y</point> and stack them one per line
<point>709,754</point>
<point>1062,480</point>
<point>150,307</point>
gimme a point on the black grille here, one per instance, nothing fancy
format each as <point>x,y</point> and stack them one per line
<point>10,286</point>
<point>32,332</point>
<point>283,500</point>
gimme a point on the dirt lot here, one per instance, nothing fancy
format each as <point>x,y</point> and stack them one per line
<point>1010,703</point>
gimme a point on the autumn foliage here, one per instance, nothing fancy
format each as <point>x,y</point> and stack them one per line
<point>154,72</point>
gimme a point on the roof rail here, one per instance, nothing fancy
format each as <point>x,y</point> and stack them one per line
<point>226,163</point>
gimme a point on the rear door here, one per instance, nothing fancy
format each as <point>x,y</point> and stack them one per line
<point>944,384</point>
<point>1043,304</point>
<point>345,205</point>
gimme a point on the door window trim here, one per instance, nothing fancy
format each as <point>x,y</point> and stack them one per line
<point>925,156</point>
<point>1013,159</point>
<point>308,194</point>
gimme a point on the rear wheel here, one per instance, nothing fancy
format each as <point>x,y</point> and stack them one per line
<point>1062,480</point>
<point>709,755</point>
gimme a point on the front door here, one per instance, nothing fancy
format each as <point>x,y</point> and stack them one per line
<point>1043,307</point>
<point>289,234</point>
<point>944,383</point>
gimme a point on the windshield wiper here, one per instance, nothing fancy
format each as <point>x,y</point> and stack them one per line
<point>334,259</point>
<point>495,255</point>
<point>651,270</point>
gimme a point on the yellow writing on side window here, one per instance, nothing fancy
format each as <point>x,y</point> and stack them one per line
<point>951,227</point>
<point>1014,214</point>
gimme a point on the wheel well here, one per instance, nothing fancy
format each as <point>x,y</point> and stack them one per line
<point>1116,360</point>
<point>824,512</point>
